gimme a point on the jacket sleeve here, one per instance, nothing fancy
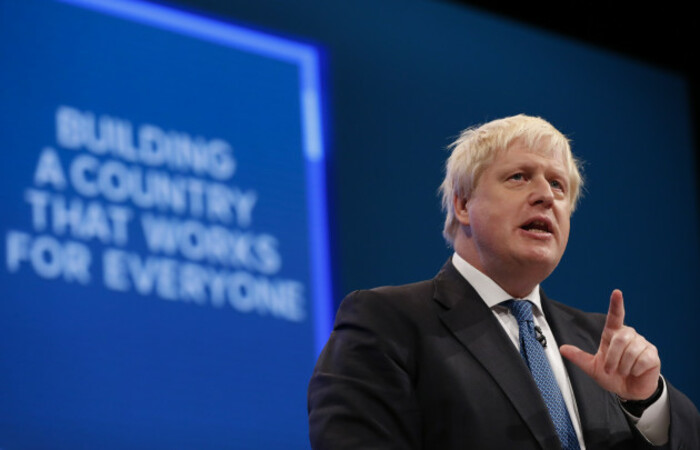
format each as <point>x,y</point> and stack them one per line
<point>361,392</point>
<point>684,432</point>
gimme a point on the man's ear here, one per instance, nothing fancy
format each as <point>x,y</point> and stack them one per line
<point>461,210</point>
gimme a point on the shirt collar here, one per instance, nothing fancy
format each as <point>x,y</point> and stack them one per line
<point>489,290</point>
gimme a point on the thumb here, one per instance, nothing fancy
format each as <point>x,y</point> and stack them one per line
<point>581,359</point>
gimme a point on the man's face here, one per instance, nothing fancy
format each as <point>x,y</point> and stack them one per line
<point>518,215</point>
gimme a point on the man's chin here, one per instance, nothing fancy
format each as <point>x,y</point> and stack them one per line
<point>540,262</point>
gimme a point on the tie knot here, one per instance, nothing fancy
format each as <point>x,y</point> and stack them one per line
<point>521,309</point>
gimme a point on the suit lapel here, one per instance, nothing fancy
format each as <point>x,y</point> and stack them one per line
<point>590,398</point>
<point>469,319</point>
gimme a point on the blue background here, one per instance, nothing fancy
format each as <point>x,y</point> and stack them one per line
<point>86,367</point>
<point>402,78</point>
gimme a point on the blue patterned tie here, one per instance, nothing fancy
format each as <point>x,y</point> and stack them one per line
<point>533,353</point>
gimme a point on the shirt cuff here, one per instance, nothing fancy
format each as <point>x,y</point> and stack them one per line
<point>655,420</point>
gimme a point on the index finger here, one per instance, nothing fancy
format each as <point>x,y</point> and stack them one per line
<point>616,311</point>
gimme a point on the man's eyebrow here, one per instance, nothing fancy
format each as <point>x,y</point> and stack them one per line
<point>508,166</point>
<point>563,172</point>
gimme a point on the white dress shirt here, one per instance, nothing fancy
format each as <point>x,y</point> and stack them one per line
<point>654,421</point>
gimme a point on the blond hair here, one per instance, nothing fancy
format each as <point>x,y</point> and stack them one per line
<point>476,148</point>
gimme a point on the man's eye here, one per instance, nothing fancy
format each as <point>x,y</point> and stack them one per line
<point>517,177</point>
<point>556,184</point>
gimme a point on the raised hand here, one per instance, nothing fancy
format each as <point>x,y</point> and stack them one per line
<point>626,363</point>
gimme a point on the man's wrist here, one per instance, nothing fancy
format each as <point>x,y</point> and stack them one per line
<point>637,407</point>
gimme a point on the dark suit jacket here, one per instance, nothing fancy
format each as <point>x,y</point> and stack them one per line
<point>428,366</point>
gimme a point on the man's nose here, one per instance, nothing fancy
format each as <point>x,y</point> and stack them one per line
<point>541,192</point>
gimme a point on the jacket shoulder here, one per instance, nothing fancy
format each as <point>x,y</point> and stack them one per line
<point>392,303</point>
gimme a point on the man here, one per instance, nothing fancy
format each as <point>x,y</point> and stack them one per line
<point>473,357</point>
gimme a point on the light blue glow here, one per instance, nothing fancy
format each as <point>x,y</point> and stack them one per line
<point>320,261</point>
<point>305,56</point>
<point>307,59</point>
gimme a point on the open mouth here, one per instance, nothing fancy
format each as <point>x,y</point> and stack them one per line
<point>537,226</point>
